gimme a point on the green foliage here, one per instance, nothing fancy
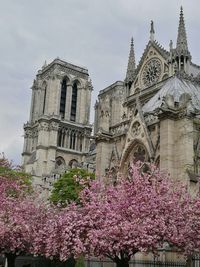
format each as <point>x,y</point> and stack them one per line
<point>80,262</point>
<point>8,171</point>
<point>68,187</point>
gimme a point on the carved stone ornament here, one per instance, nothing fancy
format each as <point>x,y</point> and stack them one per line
<point>53,126</point>
<point>28,134</point>
<point>43,126</point>
<point>136,128</point>
<point>151,72</point>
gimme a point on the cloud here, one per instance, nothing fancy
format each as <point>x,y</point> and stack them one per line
<point>92,33</point>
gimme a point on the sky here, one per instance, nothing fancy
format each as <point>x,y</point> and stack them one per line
<point>91,33</point>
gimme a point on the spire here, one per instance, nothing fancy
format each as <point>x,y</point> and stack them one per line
<point>152,32</point>
<point>181,44</point>
<point>130,74</point>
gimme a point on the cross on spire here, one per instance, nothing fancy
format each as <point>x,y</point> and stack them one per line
<point>130,74</point>
<point>181,44</point>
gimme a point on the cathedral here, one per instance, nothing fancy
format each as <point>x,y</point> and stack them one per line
<point>152,115</point>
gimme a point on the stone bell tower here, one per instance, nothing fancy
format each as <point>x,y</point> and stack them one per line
<point>58,132</point>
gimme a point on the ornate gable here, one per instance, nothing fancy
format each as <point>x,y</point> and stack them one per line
<point>138,144</point>
<point>152,67</point>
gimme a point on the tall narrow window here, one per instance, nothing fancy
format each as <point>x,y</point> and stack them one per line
<point>74,102</point>
<point>44,101</point>
<point>60,138</point>
<point>63,97</point>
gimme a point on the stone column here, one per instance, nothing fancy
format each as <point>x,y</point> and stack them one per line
<point>78,104</point>
<point>83,105</point>
<point>54,89</point>
<point>52,146</point>
<point>32,105</point>
<point>176,146</point>
<point>42,147</point>
<point>68,102</point>
<point>103,153</point>
<point>167,138</point>
<point>184,150</point>
<point>88,105</point>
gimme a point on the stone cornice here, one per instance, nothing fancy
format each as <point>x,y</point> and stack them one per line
<point>111,87</point>
<point>175,114</point>
<point>42,147</point>
<point>71,151</point>
<point>58,65</point>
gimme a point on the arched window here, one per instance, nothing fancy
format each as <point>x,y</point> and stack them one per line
<point>59,138</point>
<point>136,152</point>
<point>74,102</point>
<point>44,86</point>
<point>63,97</point>
<point>73,163</point>
<point>72,140</point>
<point>60,163</point>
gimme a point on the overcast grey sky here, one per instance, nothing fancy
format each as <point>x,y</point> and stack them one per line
<point>92,33</point>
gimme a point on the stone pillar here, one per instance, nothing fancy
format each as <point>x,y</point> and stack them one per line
<point>78,105</point>
<point>184,152</point>
<point>83,105</point>
<point>179,63</point>
<point>68,102</point>
<point>42,147</point>
<point>176,146</point>
<point>51,153</point>
<point>53,89</point>
<point>96,116</point>
<point>103,153</point>
<point>77,142</point>
<point>167,138</point>
<point>88,105</point>
<point>32,105</point>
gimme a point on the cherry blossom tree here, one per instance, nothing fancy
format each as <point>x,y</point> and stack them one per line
<point>18,223</point>
<point>138,214</point>
<point>19,213</point>
<point>62,235</point>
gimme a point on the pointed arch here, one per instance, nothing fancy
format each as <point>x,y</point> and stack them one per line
<point>73,163</point>
<point>75,85</point>
<point>60,163</point>
<point>136,151</point>
<point>63,96</point>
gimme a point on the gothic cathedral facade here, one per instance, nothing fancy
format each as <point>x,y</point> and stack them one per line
<point>153,115</point>
<point>58,131</point>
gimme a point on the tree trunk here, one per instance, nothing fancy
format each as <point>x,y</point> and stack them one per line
<point>10,259</point>
<point>189,262</point>
<point>71,262</point>
<point>122,262</point>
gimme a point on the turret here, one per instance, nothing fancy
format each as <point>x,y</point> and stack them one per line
<point>180,56</point>
<point>130,73</point>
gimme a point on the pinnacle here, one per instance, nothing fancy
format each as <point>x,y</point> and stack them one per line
<point>182,37</point>
<point>152,31</point>
<point>131,64</point>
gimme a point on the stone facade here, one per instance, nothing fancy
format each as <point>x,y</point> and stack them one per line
<point>57,135</point>
<point>153,115</point>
